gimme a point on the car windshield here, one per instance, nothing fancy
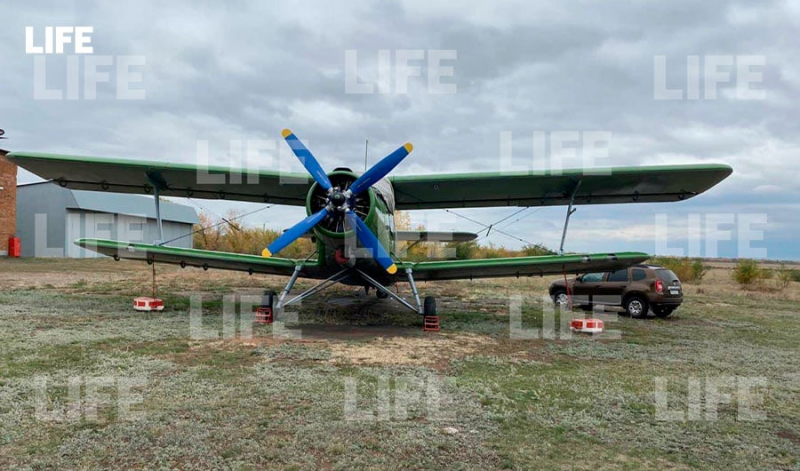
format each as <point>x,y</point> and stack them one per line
<point>667,276</point>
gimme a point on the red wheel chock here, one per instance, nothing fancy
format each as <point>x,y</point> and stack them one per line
<point>586,326</point>
<point>263,315</point>
<point>430,324</point>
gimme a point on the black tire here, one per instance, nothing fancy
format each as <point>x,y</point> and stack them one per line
<point>429,306</point>
<point>268,300</point>
<point>560,298</point>
<point>636,306</point>
<point>663,311</point>
<point>380,294</point>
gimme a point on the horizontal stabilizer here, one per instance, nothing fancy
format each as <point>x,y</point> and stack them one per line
<point>435,236</point>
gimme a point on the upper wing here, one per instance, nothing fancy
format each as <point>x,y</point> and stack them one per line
<point>201,258</point>
<point>135,176</point>
<point>597,186</point>
<point>521,266</point>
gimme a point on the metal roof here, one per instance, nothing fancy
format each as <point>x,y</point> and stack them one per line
<point>120,203</point>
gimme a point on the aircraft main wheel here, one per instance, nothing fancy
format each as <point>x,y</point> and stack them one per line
<point>636,306</point>
<point>268,299</point>
<point>429,306</point>
<point>381,294</point>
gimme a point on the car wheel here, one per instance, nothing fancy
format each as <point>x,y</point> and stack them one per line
<point>663,312</point>
<point>636,306</point>
<point>560,298</point>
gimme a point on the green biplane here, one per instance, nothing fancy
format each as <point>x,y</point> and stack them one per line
<point>350,215</point>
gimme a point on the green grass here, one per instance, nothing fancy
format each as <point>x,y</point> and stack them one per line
<point>583,403</point>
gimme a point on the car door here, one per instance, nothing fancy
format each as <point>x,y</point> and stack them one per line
<point>610,291</point>
<point>586,287</point>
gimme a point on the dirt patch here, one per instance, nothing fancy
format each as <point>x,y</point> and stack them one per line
<point>789,435</point>
<point>429,350</point>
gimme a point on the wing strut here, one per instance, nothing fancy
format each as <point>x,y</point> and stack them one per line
<point>156,187</point>
<point>570,211</point>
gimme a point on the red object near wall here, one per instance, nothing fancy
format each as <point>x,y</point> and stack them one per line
<point>14,247</point>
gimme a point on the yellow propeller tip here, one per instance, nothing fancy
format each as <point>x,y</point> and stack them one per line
<point>409,147</point>
<point>286,133</point>
<point>392,269</point>
<point>266,253</point>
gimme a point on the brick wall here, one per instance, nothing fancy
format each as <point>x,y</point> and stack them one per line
<point>8,201</point>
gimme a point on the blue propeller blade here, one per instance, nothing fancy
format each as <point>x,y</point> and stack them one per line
<point>368,240</point>
<point>307,159</point>
<point>381,169</point>
<point>294,233</point>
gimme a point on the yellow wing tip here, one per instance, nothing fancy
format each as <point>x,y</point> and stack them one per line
<point>409,147</point>
<point>266,253</point>
<point>392,269</point>
<point>286,133</point>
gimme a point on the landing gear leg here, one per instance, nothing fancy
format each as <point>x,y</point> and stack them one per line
<point>410,275</point>
<point>339,276</point>
<point>382,289</point>
<point>289,286</point>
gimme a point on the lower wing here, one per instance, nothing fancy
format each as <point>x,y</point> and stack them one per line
<point>200,258</point>
<point>422,271</point>
<point>521,266</point>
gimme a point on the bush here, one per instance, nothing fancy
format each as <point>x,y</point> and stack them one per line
<point>532,250</point>
<point>785,276</point>
<point>747,272</point>
<point>230,235</point>
<point>699,270</point>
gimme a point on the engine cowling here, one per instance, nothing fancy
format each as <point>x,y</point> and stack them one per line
<point>334,225</point>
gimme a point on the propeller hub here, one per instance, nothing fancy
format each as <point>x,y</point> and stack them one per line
<point>338,198</point>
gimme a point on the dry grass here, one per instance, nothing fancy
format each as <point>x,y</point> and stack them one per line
<point>265,402</point>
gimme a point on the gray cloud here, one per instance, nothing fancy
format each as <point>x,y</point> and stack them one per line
<point>221,72</point>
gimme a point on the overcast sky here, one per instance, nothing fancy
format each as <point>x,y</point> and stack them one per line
<point>224,71</point>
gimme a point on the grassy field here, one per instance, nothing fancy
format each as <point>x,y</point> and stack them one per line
<point>335,398</point>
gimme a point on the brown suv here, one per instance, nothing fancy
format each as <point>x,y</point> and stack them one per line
<point>637,289</point>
